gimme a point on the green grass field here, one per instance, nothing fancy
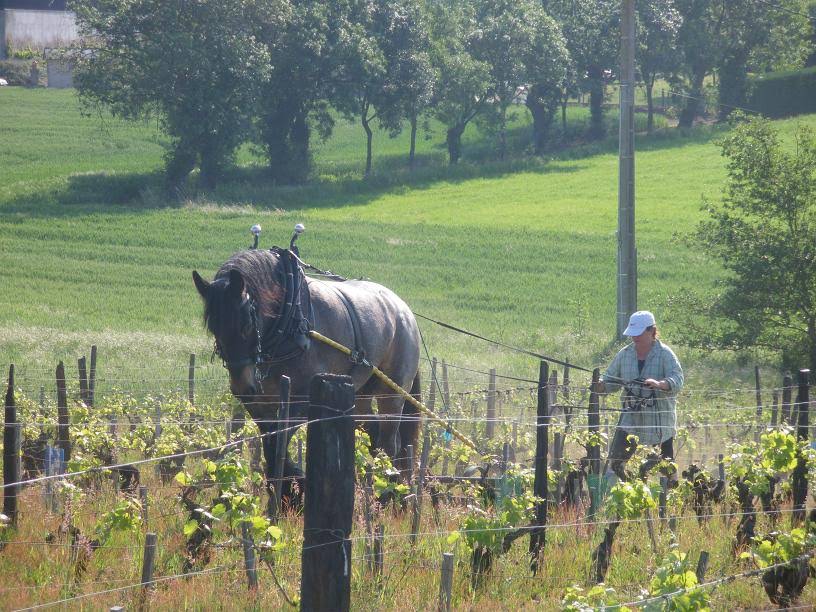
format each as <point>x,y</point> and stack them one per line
<point>521,250</point>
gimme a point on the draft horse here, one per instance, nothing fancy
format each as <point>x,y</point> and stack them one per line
<point>260,308</point>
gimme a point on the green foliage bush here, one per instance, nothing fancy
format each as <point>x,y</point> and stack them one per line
<point>783,94</point>
<point>15,73</point>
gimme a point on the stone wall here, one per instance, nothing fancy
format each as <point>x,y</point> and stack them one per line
<point>24,28</point>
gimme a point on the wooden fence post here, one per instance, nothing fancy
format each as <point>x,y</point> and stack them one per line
<point>420,482</point>
<point>799,476</point>
<point>148,560</point>
<point>702,566</point>
<point>775,407</point>
<point>445,385</point>
<point>249,555</point>
<point>329,505</point>
<point>11,453</point>
<point>538,535</point>
<point>594,452</point>
<point>758,430</point>
<point>281,438</point>
<point>379,539</point>
<point>491,405</point>
<point>191,380</point>
<point>92,378</point>
<point>145,506</point>
<point>446,583</point>
<point>83,380</point>
<point>63,419</point>
<point>787,386</point>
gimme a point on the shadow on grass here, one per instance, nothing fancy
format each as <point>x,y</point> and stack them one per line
<point>342,184</point>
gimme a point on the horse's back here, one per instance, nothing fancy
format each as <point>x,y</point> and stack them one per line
<point>385,325</point>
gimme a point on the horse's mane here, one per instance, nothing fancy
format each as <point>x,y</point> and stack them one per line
<point>258,269</point>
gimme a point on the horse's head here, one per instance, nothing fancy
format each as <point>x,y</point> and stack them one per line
<point>231,317</point>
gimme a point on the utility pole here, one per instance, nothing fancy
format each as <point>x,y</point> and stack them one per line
<point>627,252</point>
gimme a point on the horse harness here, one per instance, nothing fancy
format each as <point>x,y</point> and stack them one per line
<point>288,336</point>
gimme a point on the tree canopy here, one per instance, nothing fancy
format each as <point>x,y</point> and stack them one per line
<point>764,233</point>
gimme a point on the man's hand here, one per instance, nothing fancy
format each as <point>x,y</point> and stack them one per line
<point>656,384</point>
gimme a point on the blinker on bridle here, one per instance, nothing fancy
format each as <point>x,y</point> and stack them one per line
<point>254,359</point>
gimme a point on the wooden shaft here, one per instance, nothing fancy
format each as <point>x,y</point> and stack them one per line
<point>395,387</point>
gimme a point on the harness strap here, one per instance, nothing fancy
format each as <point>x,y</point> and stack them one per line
<point>358,354</point>
<point>394,386</point>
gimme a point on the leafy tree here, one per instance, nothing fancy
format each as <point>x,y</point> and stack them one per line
<point>194,65</point>
<point>591,30</point>
<point>764,232</point>
<point>699,40</point>
<point>304,75</point>
<point>811,58</point>
<point>462,90</point>
<point>656,52</point>
<point>723,36</point>
<point>410,75</point>
<point>520,44</point>
<point>783,34</point>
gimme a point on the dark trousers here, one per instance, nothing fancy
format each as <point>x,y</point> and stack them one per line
<point>622,449</point>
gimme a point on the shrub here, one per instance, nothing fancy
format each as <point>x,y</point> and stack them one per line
<point>16,73</point>
<point>782,94</point>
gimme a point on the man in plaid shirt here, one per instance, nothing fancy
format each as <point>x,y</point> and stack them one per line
<point>651,376</point>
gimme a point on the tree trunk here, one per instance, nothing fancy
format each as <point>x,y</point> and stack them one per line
<point>542,118</point>
<point>812,344</point>
<point>412,151</point>
<point>733,89</point>
<point>503,134</point>
<point>454,140</point>
<point>179,163</point>
<point>596,97</point>
<point>649,83</point>
<point>691,109</point>
<point>564,101</point>
<point>300,156</point>
<point>364,119</point>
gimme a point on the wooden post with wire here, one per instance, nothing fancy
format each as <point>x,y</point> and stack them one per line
<point>759,428</point>
<point>148,560</point>
<point>594,451</point>
<point>63,418</point>
<point>281,438</point>
<point>446,583</point>
<point>540,485</point>
<point>250,563</point>
<point>329,495</point>
<point>787,386</point>
<point>92,378</point>
<point>11,453</point>
<point>420,482</point>
<point>799,476</point>
<point>191,380</point>
<point>490,423</point>
<point>83,380</point>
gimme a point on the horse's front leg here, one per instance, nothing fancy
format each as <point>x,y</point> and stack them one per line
<point>291,485</point>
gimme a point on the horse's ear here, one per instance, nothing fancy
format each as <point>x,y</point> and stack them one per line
<point>236,284</point>
<point>202,285</point>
